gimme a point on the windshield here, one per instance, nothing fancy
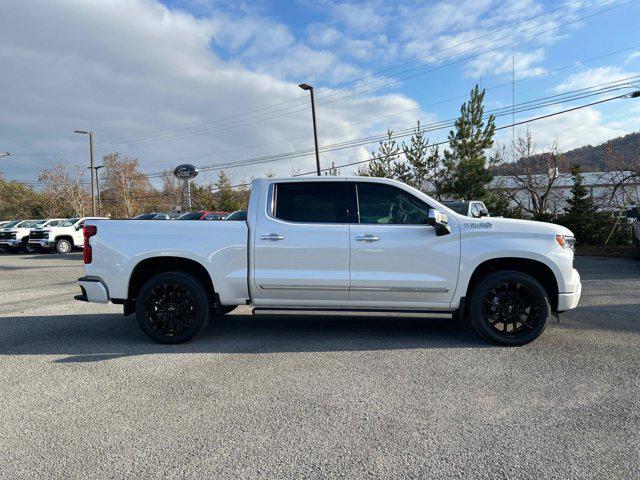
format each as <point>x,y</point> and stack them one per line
<point>144,216</point>
<point>28,224</point>
<point>69,223</point>
<point>237,215</point>
<point>190,216</point>
<point>12,224</point>
<point>40,223</point>
<point>459,207</point>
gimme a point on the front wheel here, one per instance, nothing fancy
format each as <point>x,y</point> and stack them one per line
<point>172,307</point>
<point>63,246</point>
<point>509,308</point>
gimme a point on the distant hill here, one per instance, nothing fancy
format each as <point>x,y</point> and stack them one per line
<point>591,158</point>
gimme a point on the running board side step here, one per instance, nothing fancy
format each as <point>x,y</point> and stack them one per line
<point>351,312</point>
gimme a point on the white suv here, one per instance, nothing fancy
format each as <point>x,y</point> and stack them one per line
<point>63,237</point>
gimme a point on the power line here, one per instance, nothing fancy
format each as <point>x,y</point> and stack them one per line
<point>550,100</point>
<point>191,133</point>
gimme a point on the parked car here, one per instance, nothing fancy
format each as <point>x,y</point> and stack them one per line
<point>633,213</point>
<point>63,237</point>
<point>473,208</point>
<point>203,215</point>
<point>238,215</point>
<point>36,232</point>
<point>329,246</point>
<point>15,236</point>
<point>3,223</point>
<point>145,216</point>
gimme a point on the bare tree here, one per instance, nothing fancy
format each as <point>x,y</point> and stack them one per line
<point>531,181</point>
<point>623,178</point>
<point>65,191</point>
<point>126,190</point>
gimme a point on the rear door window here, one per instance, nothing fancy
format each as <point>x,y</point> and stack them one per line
<point>311,202</point>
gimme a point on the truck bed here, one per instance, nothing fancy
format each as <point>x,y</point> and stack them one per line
<point>221,247</point>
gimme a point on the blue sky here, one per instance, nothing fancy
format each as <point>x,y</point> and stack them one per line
<point>197,80</point>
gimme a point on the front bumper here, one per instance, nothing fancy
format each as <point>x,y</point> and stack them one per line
<point>14,242</point>
<point>93,290</point>
<point>569,300</point>
<point>43,242</point>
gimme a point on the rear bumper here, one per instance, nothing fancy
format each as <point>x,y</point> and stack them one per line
<point>569,300</point>
<point>93,290</point>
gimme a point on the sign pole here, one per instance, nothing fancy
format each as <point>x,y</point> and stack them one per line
<point>185,173</point>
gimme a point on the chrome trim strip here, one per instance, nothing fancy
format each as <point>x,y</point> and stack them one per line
<point>304,287</point>
<point>401,289</point>
<point>356,289</point>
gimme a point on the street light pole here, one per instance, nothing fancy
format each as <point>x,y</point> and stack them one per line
<point>96,168</point>
<point>305,86</point>
<point>93,196</point>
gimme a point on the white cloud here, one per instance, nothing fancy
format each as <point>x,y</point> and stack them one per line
<point>502,62</point>
<point>133,69</point>
<point>592,78</point>
<point>573,129</point>
<point>633,56</point>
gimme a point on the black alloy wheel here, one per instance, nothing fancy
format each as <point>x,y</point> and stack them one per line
<point>172,307</point>
<point>510,308</point>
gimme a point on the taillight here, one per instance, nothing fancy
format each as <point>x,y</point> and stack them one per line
<point>88,231</point>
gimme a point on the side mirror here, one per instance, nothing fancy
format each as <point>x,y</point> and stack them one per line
<point>484,212</point>
<point>439,221</point>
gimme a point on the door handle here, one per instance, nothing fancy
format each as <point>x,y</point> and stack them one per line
<point>367,238</point>
<point>272,237</point>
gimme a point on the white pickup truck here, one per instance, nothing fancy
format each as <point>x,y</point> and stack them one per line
<point>62,236</point>
<point>15,235</point>
<point>335,246</point>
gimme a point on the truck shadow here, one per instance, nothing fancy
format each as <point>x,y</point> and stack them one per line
<point>91,338</point>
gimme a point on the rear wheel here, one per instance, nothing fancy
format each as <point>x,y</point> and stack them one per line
<point>63,246</point>
<point>172,307</point>
<point>509,308</point>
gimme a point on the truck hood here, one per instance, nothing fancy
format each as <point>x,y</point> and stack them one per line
<point>512,225</point>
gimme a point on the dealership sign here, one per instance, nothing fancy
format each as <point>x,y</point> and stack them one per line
<point>185,171</point>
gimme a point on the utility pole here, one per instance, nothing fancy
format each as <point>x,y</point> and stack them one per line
<point>93,195</point>
<point>305,86</point>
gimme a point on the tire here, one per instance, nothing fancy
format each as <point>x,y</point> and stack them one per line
<point>172,307</point>
<point>63,246</point>
<point>509,308</point>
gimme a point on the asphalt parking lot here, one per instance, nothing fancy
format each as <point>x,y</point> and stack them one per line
<point>86,395</point>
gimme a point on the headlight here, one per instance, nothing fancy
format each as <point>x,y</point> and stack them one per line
<point>566,241</point>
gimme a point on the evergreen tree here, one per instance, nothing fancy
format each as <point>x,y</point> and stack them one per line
<point>580,213</point>
<point>417,155</point>
<point>227,199</point>
<point>382,161</point>
<point>466,170</point>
